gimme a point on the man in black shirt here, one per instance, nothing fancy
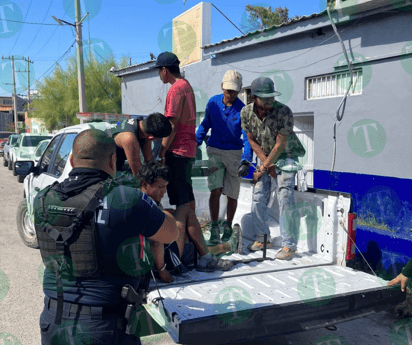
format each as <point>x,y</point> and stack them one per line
<point>107,250</point>
<point>133,135</point>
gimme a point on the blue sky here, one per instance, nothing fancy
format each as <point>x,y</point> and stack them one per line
<point>123,27</point>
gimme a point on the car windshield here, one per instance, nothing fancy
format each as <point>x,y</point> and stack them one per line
<point>33,140</point>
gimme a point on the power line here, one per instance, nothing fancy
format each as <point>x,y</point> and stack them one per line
<point>45,16</point>
<point>20,30</point>
<point>55,63</point>
<point>228,19</point>
<point>17,21</point>
<point>65,11</point>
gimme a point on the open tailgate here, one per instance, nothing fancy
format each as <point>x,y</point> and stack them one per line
<point>266,299</point>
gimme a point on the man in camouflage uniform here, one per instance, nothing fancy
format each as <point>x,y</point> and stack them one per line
<point>269,127</point>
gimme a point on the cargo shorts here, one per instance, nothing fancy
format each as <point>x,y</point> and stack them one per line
<point>224,165</point>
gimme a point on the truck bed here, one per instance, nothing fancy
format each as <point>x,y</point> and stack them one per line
<point>264,299</point>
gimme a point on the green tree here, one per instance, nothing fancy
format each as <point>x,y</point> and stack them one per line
<point>59,95</point>
<point>260,17</point>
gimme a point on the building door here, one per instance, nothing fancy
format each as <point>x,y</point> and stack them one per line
<point>304,128</point>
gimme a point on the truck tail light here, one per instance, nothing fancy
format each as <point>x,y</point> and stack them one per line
<point>350,248</point>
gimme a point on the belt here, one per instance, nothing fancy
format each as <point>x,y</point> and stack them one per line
<point>82,309</point>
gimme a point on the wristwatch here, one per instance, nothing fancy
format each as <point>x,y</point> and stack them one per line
<point>158,159</point>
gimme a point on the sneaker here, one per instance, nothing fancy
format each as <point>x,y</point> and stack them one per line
<point>256,246</point>
<point>227,231</point>
<point>214,236</point>
<point>215,264</point>
<point>284,255</point>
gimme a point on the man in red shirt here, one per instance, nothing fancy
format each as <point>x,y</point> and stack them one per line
<point>179,147</point>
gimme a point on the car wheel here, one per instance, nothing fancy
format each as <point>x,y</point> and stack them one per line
<point>21,178</point>
<point>13,168</point>
<point>25,226</point>
<point>5,161</point>
<point>9,166</point>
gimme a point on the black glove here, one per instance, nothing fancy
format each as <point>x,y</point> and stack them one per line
<point>243,169</point>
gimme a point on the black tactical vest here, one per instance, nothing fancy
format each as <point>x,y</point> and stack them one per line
<point>67,236</point>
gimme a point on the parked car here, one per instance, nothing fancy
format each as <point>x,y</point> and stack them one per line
<point>256,299</point>
<point>4,135</point>
<point>25,146</point>
<point>2,148</point>
<point>35,156</point>
<point>11,140</point>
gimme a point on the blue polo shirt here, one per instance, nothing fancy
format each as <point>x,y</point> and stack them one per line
<point>226,127</point>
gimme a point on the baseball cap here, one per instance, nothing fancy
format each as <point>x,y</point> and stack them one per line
<point>232,80</point>
<point>263,87</point>
<point>166,59</point>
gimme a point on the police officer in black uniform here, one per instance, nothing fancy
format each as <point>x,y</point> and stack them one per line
<point>136,134</point>
<point>92,235</point>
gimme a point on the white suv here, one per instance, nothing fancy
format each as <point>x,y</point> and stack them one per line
<point>53,166</point>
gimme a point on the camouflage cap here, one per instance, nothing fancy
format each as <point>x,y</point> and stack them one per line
<point>263,87</point>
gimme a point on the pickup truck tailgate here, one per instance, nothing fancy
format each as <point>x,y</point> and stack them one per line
<point>259,300</point>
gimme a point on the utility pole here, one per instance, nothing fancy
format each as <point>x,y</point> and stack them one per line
<point>184,2</point>
<point>80,65</point>
<point>80,71</point>
<point>14,97</point>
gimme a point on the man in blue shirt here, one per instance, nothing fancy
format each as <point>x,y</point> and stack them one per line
<point>224,148</point>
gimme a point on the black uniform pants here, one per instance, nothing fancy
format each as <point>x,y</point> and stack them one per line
<point>82,327</point>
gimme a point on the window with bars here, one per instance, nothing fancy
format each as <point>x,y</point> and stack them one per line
<point>333,85</point>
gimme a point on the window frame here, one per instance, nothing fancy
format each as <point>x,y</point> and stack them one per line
<point>54,156</point>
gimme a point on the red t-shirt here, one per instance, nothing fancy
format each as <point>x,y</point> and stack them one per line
<point>181,104</point>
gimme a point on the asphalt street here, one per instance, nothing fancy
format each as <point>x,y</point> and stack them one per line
<point>21,296</point>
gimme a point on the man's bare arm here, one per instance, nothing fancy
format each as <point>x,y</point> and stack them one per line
<point>281,141</point>
<point>168,232</point>
<point>167,141</point>
<point>257,149</point>
<point>147,150</point>
<point>129,143</point>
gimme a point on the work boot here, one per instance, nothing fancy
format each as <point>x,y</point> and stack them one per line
<point>256,246</point>
<point>285,255</point>
<point>214,235</point>
<point>227,231</point>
